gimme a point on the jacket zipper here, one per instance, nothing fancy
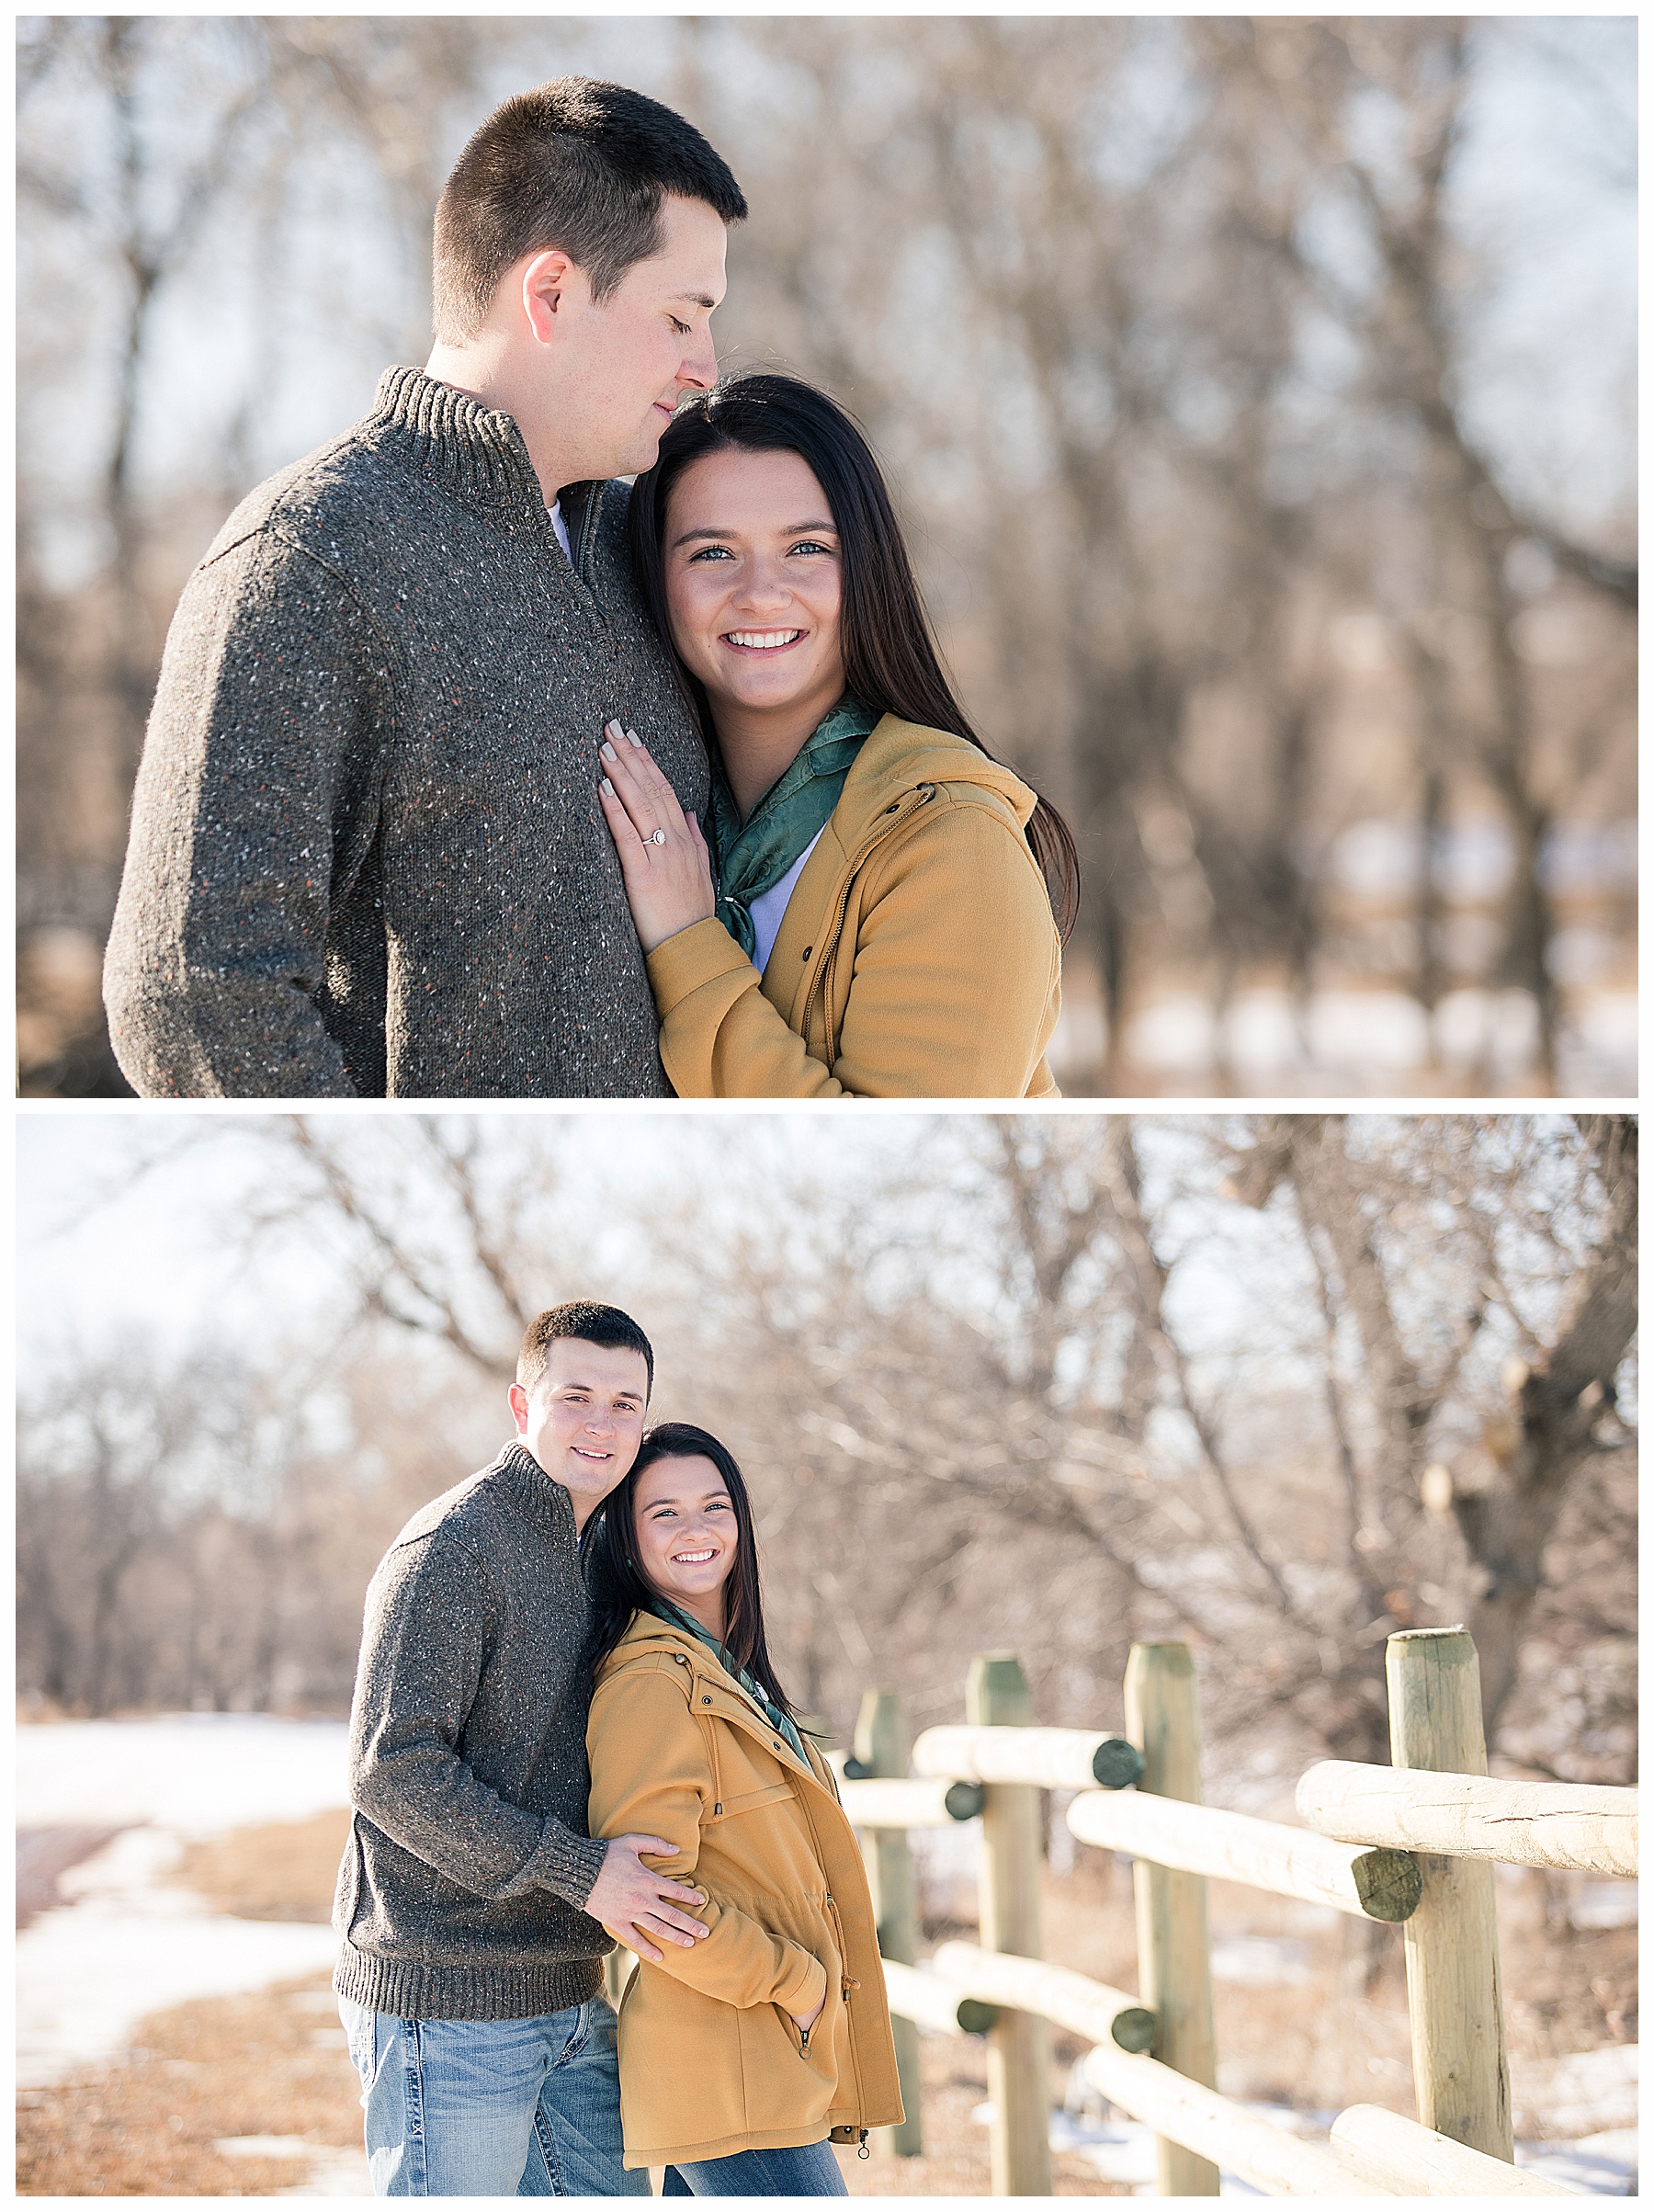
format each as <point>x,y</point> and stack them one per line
<point>897,816</point>
<point>748,1717</point>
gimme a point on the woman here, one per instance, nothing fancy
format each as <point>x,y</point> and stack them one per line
<point>890,900</point>
<point>741,2056</point>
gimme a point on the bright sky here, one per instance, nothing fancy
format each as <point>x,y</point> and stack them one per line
<point>105,1245</point>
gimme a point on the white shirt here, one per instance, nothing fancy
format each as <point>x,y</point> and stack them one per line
<point>768,907</point>
<point>560,527</point>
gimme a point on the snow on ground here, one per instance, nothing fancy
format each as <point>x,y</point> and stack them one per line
<point>123,1943</point>
<point>194,1774</point>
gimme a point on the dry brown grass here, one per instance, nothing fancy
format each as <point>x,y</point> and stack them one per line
<point>276,1873</point>
<point>275,2063</point>
<point>268,2064</point>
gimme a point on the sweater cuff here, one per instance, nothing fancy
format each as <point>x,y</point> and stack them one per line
<point>804,1987</point>
<point>697,955</point>
<point>564,1863</point>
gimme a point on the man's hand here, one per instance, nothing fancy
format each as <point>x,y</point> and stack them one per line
<point>635,1903</point>
<point>805,2024</point>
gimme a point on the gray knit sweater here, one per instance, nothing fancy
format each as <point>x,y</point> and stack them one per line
<point>367,854</point>
<point>469,1860</point>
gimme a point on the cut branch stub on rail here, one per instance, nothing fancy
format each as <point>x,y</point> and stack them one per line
<point>1044,1758</point>
<point>933,2004</point>
<point>1073,2001</point>
<point>909,1801</point>
<point>1188,2114</point>
<point>1389,2149</point>
<point>1232,1846</point>
<point>1468,1816</point>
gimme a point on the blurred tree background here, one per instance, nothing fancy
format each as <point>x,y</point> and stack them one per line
<point>1259,393</point>
<point>1276,1386</point>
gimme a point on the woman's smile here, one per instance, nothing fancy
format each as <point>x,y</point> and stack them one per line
<point>762,640</point>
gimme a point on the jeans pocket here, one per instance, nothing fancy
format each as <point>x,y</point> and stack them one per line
<point>362,2032</point>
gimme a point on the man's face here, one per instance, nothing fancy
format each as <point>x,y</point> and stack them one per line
<point>622,366</point>
<point>583,1419</point>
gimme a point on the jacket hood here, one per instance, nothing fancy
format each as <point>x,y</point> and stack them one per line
<point>650,1639</point>
<point>898,757</point>
<point>649,1634</point>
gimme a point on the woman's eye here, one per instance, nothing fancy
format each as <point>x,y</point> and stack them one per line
<point>811,545</point>
<point>712,552</point>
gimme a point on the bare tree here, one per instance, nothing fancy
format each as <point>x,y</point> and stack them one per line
<point>1278,1386</point>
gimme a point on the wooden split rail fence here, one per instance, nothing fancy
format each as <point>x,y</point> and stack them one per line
<point>1411,1843</point>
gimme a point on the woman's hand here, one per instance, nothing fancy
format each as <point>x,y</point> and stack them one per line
<point>664,856</point>
<point>806,2023</point>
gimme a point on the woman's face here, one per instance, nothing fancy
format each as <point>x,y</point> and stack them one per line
<point>683,1522</point>
<point>753,582</point>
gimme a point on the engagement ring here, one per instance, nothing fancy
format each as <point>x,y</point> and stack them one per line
<point>657,837</point>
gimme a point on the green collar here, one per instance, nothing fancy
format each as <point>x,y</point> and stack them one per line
<point>750,857</point>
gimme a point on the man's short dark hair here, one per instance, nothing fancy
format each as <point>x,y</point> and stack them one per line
<point>575,164</point>
<point>592,1323</point>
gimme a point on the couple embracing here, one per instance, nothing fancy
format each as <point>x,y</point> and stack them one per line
<point>473,771</point>
<point>567,1728</point>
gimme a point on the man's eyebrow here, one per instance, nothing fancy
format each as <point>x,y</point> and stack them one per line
<point>697,299</point>
<point>577,1385</point>
<point>793,530</point>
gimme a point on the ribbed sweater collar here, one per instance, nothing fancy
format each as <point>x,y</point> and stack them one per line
<point>477,452</point>
<point>547,1505</point>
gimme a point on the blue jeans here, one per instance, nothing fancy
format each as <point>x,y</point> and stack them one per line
<point>811,2170</point>
<point>491,2107</point>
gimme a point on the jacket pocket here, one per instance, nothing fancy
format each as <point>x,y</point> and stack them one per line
<point>748,1800</point>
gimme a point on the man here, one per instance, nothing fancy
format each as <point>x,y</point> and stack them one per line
<point>470,1975</point>
<point>366,857</point>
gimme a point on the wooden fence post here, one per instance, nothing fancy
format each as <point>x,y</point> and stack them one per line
<point>1019,2044</point>
<point>1454,2005</point>
<point>1175,1970</point>
<point>881,1751</point>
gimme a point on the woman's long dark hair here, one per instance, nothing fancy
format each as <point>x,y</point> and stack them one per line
<point>615,1582</point>
<point>891,658</point>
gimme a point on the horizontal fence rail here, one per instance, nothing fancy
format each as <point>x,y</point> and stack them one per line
<point>1581,1826</point>
<point>1215,2128</point>
<point>918,1801</point>
<point>935,2003</point>
<point>1265,1854</point>
<point>1396,2153</point>
<point>1396,1845</point>
<point>1029,1985</point>
<point>1045,1758</point>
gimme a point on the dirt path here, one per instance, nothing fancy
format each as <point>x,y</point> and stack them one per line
<point>44,1853</point>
